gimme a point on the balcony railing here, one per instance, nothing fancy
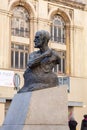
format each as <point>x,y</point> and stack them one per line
<point>58,39</point>
<point>20,32</point>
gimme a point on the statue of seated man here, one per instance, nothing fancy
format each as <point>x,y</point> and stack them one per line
<point>39,73</point>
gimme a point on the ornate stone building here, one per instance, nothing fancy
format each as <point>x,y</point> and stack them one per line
<point>66,20</point>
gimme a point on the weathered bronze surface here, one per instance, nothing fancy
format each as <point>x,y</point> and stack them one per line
<point>39,74</point>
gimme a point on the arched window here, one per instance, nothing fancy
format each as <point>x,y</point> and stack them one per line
<point>58,29</point>
<point>19,28</point>
<point>20,22</point>
<point>58,36</point>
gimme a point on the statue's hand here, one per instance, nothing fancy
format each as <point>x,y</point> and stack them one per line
<point>45,60</point>
<point>37,60</point>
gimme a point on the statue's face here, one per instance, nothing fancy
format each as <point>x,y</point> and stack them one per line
<point>38,40</point>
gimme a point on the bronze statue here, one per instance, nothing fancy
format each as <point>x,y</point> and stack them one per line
<point>39,74</point>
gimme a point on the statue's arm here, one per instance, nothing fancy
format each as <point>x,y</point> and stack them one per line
<point>38,59</point>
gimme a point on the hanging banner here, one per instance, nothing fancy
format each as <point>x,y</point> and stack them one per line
<point>6,78</point>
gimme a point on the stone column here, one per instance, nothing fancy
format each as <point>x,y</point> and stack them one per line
<point>68,49</point>
<point>2,110</point>
<point>31,46</point>
<point>5,46</point>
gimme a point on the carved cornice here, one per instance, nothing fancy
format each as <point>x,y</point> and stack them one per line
<point>5,12</point>
<point>69,3</point>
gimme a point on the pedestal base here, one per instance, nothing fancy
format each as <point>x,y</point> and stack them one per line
<point>44,109</point>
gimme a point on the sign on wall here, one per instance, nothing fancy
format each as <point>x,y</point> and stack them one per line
<point>6,78</point>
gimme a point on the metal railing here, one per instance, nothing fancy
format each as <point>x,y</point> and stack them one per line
<point>58,39</point>
<point>20,32</point>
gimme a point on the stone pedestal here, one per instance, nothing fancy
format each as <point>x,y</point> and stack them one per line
<point>44,109</point>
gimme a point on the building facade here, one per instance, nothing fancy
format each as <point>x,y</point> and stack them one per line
<point>66,22</point>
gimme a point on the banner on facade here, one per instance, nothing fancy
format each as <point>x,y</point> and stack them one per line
<point>6,78</point>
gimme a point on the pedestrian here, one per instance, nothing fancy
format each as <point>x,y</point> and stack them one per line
<point>72,123</point>
<point>84,123</point>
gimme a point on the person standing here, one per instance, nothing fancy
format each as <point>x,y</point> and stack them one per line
<point>72,123</point>
<point>84,123</point>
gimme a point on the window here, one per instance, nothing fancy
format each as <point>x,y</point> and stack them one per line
<point>58,33</point>
<point>19,56</point>
<point>58,29</point>
<point>20,22</point>
<point>60,68</point>
<point>19,28</point>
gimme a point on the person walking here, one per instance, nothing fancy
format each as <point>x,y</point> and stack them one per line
<point>84,123</point>
<point>72,123</point>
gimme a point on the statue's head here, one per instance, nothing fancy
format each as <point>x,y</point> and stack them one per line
<point>41,38</point>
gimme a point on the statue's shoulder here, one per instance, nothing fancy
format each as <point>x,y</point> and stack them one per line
<point>53,50</point>
<point>34,54</point>
<point>56,53</point>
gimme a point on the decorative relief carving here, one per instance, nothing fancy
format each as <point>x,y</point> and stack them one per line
<point>69,3</point>
<point>21,2</point>
<point>60,10</point>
